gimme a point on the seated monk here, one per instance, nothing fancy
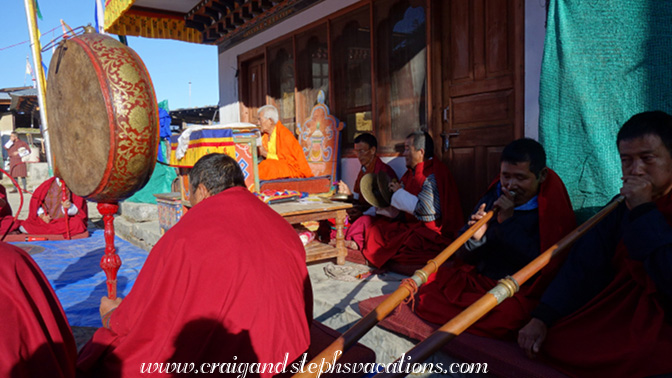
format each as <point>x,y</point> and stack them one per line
<point>7,223</point>
<point>430,211</point>
<point>47,211</point>
<point>534,212</point>
<point>227,284</point>
<point>284,157</point>
<point>608,312</point>
<point>36,338</point>
<point>361,215</point>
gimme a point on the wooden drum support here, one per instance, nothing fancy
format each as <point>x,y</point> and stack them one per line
<point>104,124</point>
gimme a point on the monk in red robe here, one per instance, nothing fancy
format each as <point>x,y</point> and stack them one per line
<point>227,284</point>
<point>534,212</point>
<point>607,312</point>
<point>7,223</point>
<point>429,211</point>
<point>284,157</point>
<point>36,339</point>
<point>362,215</point>
<point>47,211</point>
<point>17,149</point>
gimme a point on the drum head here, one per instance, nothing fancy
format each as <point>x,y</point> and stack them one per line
<point>102,118</point>
<point>78,119</point>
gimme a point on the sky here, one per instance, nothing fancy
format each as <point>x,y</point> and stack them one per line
<point>172,65</point>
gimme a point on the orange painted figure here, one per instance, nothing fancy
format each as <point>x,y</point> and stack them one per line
<point>284,157</point>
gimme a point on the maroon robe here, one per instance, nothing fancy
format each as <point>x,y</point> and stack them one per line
<point>624,331</point>
<point>17,167</point>
<point>414,242</point>
<point>36,339</point>
<point>457,285</point>
<point>6,218</point>
<point>48,197</point>
<point>229,279</point>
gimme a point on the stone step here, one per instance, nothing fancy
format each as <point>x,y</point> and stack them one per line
<point>138,212</point>
<point>143,234</point>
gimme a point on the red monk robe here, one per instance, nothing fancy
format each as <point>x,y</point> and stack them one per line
<point>291,161</point>
<point>456,286</point>
<point>229,279</point>
<point>36,340</point>
<point>413,242</point>
<point>48,197</point>
<point>626,329</point>
<point>6,218</point>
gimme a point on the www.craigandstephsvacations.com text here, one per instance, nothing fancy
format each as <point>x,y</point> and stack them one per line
<point>241,369</point>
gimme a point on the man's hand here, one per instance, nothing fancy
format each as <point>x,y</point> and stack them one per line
<point>107,305</point>
<point>505,205</point>
<point>343,188</point>
<point>478,235</point>
<point>636,191</point>
<point>66,204</point>
<point>262,151</point>
<point>45,217</point>
<point>394,186</point>
<point>532,336</point>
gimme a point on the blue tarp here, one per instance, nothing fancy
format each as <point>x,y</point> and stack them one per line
<point>73,269</point>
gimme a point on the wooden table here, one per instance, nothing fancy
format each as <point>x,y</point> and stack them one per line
<point>296,212</point>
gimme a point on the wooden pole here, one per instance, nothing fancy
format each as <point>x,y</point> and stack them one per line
<point>350,337</point>
<point>506,288</point>
<point>39,72</point>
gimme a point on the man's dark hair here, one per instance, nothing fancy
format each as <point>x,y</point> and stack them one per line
<point>525,150</point>
<point>368,139</point>
<point>217,172</point>
<point>421,140</point>
<point>648,123</point>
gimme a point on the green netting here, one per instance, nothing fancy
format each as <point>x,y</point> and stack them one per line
<point>604,61</point>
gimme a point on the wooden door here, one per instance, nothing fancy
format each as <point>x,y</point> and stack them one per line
<point>253,88</point>
<point>481,89</point>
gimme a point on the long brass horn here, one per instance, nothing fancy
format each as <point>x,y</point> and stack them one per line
<point>506,288</point>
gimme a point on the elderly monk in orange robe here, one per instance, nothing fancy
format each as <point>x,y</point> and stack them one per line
<point>284,157</point>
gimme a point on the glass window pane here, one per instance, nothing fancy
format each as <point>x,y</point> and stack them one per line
<point>313,69</point>
<point>351,60</point>
<point>401,67</point>
<point>281,82</point>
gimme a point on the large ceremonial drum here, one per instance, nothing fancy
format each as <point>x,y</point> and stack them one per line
<point>102,116</point>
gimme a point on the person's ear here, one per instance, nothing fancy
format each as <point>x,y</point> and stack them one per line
<point>203,192</point>
<point>543,174</point>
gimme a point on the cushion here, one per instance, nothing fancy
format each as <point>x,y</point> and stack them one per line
<point>311,185</point>
<point>36,237</point>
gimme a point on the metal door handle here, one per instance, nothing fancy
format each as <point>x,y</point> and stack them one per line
<point>446,138</point>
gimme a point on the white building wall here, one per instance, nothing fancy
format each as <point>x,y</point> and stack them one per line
<point>535,17</point>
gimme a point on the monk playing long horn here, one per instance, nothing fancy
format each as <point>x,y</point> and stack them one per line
<point>607,313</point>
<point>528,222</point>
